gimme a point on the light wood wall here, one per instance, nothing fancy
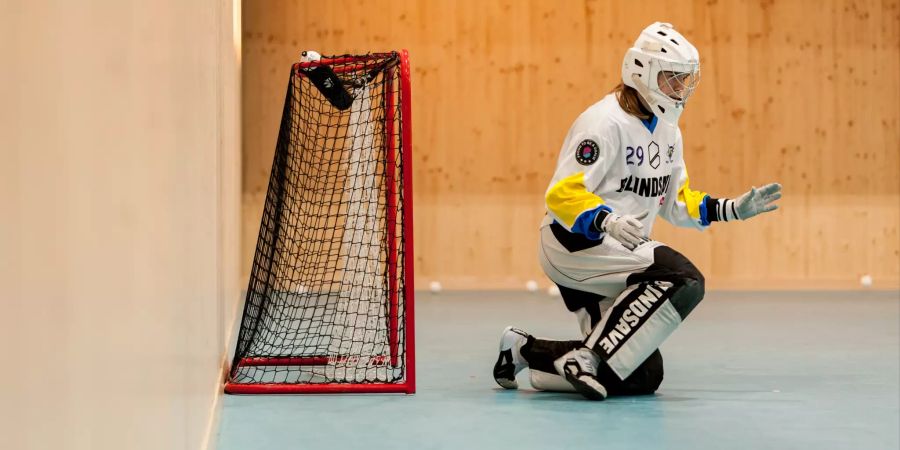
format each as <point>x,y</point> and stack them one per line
<point>806,93</point>
<point>119,192</point>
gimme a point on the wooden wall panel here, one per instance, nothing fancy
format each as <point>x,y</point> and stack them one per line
<point>802,92</point>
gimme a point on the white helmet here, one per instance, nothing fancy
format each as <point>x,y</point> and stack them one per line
<point>662,61</point>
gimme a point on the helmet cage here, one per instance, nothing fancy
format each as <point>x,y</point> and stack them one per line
<point>676,80</point>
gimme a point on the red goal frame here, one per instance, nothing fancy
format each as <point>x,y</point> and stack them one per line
<point>408,386</point>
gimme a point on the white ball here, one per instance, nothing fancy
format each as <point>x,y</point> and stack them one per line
<point>309,56</point>
<point>435,286</point>
<point>866,280</point>
<point>553,290</point>
<point>531,285</point>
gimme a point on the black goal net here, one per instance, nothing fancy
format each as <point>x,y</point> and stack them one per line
<point>327,305</point>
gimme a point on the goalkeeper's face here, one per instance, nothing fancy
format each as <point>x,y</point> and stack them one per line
<point>677,86</point>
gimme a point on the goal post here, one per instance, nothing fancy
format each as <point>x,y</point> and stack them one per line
<point>330,301</point>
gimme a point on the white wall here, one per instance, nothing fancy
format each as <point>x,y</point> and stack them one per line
<point>119,172</point>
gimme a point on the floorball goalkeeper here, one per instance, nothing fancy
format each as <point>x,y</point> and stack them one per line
<point>620,166</point>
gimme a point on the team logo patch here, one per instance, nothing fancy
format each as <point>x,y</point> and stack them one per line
<point>587,152</point>
<point>653,151</point>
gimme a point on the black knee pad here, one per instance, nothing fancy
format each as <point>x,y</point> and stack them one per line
<point>673,267</point>
<point>686,296</point>
<point>645,380</point>
<point>668,265</point>
<point>653,372</point>
<point>694,279</point>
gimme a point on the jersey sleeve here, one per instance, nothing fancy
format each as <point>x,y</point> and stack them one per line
<point>684,206</point>
<point>570,199</point>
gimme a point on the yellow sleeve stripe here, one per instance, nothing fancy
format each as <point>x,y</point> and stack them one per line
<point>569,197</point>
<point>691,199</point>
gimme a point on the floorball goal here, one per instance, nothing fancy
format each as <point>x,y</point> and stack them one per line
<point>329,305</point>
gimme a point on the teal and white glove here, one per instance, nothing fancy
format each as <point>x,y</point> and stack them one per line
<point>758,201</point>
<point>753,203</point>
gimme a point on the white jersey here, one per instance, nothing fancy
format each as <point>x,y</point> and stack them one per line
<point>613,161</point>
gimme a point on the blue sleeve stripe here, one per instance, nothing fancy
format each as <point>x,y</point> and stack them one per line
<point>584,220</point>
<point>704,218</point>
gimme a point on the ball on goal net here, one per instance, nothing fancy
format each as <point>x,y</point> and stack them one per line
<point>309,56</point>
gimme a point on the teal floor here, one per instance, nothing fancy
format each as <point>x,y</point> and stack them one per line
<point>762,370</point>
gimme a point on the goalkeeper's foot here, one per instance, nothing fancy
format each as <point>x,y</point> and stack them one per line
<point>580,369</point>
<point>510,361</point>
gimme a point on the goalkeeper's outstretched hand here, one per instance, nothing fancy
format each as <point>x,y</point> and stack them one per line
<point>758,201</point>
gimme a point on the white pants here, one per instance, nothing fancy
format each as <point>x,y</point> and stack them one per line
<point>636,318</point>
<point>601,270</point>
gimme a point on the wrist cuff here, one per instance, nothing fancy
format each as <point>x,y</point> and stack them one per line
<point>597,224</point>
<point>720,210</point>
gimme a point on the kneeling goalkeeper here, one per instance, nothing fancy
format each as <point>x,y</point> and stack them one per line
<point>620,166</point>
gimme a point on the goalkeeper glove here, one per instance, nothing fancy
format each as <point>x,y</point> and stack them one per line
<point>626,229</point>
